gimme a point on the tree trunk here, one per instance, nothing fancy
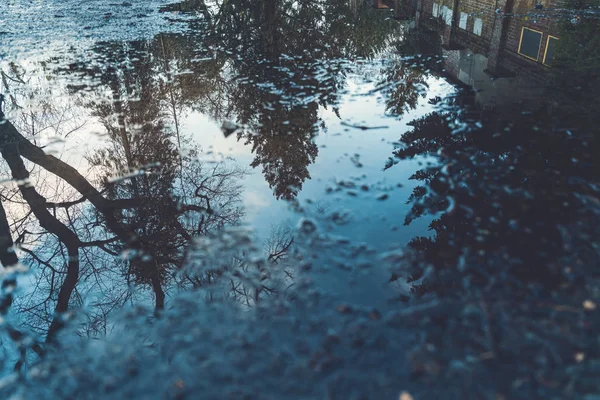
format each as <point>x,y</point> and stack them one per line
<point>159,294</point>
<point>37,203</point>
<point>9,260</point>
<point>10,135</point>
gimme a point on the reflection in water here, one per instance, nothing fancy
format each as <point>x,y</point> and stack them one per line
<point>509,265</point>
<point>286,77</point>
<point>498,300</point>
<point>147,195</point>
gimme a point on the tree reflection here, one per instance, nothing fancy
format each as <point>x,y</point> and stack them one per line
<point>404,82</point>
<point>285,148</point>
<point>268,65</point>
<point>150,202</point>
<point>515,201</point>
<point>287,55</point>
<point>402,86</point>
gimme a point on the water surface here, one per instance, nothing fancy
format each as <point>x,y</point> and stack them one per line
<point>283,199</point>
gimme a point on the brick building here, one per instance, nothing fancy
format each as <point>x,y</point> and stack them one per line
<point>501,48</point>
<point>516,36</point>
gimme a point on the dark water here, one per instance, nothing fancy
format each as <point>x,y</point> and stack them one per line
<point>289,199</point>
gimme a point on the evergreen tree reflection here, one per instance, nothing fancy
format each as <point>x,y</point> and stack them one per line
<point>288,56</point>
<point>514,199</point>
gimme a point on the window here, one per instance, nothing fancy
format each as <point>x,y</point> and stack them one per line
<point>448,16</point>
<point>549,53</point>
<point>529,45</point>
<point>446,13</point>
<point>443,11</point>
<point>462,24</point>
<point>478,26</point>
<point>436,10</point>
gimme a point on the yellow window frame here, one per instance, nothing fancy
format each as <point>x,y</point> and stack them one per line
<point>521,42</point>
<point>546,49</point>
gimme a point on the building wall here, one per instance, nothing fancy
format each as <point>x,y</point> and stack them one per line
<point>525,15</point>
<point>501,23</point>
<point>477,9</point>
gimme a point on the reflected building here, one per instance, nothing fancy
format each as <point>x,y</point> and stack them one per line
<point>466,67</point>
<point>503,50</point>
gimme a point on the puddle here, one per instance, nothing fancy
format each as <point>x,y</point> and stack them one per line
<point>307,199</point>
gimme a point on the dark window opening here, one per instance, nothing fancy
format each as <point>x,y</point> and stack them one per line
<point>549,53</point>
<point>529,44</point>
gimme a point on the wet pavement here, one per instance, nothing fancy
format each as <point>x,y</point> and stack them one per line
<point>273,200</point>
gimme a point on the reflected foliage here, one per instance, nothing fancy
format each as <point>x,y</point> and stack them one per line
<point>403,86</point>
<point>504,288</point>
<point>508,271</point>
<point>288,57</point>
<point>130,222</point>
<point>285,149</point>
